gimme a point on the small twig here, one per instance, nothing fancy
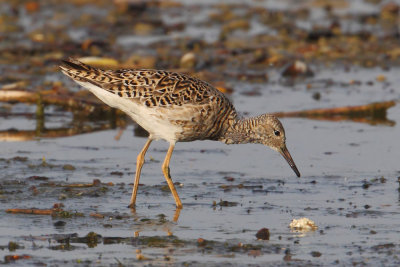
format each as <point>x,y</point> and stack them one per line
<point>369,113</point>
<point>33,211</point>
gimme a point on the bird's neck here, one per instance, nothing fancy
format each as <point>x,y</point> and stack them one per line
<point>240,131</point>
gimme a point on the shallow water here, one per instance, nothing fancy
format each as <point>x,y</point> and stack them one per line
<point>348,187</point>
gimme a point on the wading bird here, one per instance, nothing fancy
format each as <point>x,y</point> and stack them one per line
<point>177,108</point>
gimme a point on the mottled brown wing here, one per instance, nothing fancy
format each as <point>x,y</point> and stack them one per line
<point>153,88</point>
<point>198,108</point>
<point>195,106</point>
<point>161,88</point>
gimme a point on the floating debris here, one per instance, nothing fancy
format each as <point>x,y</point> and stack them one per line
<point>201,242</point>
<point>225,203</point>
<point>12,246</point>
<point>263,234</point>
<point>316,254</point>
<point>297,69</point>
<point>33,211</point>
<point>12,258</point>
<point>97,215</point>
<point>188,60</point>
<point>68,167</point>
<point>96,182</point>
<point>92,239</point>
<point>381,78</point>
<point>59,224</point>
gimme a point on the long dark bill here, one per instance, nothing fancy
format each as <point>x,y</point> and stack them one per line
<point>285,153</point>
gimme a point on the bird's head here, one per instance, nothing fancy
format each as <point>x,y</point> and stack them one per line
<point>268,130</point>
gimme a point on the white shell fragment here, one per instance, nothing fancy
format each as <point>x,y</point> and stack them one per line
<point>303,225</point>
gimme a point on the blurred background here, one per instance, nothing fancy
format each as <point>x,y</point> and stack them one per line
<point>239,46</point>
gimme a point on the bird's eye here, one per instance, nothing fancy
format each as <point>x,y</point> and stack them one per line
<point>277,133</point>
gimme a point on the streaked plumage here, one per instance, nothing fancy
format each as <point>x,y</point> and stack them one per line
<point>177,108</point>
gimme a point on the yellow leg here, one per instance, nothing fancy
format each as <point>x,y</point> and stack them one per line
<point>139,165</point>
<point>165,170</point>
<point>176,215</point>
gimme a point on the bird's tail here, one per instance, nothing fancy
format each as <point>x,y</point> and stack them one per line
<point>77,70</point>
